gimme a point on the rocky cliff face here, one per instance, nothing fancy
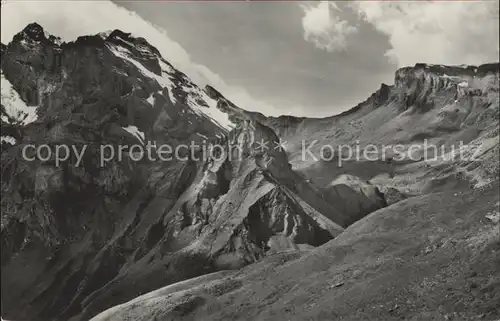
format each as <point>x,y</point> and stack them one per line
<point>433,89</point>
<point>97,224</point>
<point>421,86</point>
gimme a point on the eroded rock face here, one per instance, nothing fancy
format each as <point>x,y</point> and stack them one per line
<point>430,110</point>
<point>85,233</point>
<point>423,85</point>
<point>392,195</point>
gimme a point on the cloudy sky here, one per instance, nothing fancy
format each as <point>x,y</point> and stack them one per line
<point>301,58</point>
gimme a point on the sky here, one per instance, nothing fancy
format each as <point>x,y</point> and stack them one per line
<point>303,58</point>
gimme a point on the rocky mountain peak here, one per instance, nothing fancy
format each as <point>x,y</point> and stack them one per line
<point>127,40</point>
<point>117,34</point>
<point>34,31</point>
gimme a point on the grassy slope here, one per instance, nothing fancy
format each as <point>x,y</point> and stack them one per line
<point>430,257</point>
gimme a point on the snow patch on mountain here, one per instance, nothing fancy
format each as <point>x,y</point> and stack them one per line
<point>151,100</point>
<point>202,136</point>
<point>8,139</point>
<point>214,113</point>
<point>136,132</point>
<point>105,34</point>
<point>15,107</point>
<point>125,54</point>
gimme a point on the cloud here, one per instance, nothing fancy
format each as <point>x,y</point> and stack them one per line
<point>71,19</point>
<point>324,28</point>
<point>440,32</point>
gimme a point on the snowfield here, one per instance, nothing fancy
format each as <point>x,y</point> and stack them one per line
<point>15,107</point>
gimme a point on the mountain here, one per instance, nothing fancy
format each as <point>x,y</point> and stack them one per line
<point>432,254</point>
<point>433,104</point>
<point>235,223</point>
<point>93,211</point>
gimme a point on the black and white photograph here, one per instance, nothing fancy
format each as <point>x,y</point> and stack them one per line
<point>213,160</point>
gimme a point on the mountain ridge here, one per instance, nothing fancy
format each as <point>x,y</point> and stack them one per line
<point>35,30</point>
<point>80,235</point>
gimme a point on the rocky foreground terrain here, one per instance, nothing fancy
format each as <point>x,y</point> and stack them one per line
<point>235,229</point>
